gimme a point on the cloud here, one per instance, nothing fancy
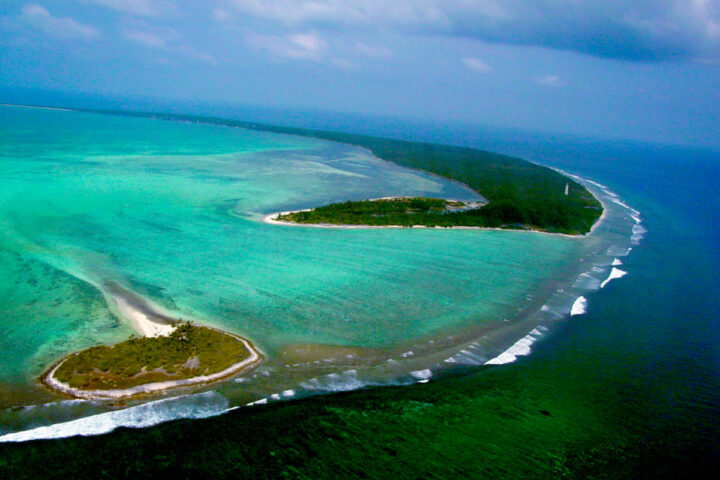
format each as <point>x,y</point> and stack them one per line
<point>158,40</point>
<point>640,30</point>
<point>310,42</point>
<point>140,8</point>
<point>300,46</point>
<point>220,14</point>
<point>477,65</point>
<point>195,54</point>
<point>370,51</point>
<point>163,39</point>
<point>341,13</point>
<point>552,81</point>
<point>307,46</point>
<point>39,17</point>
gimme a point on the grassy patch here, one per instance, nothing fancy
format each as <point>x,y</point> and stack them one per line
<point>188,352</point>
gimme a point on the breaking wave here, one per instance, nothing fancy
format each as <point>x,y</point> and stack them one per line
<point>520,348</point>
<point>615,273</point>
<point>579,307</point>
<point>201,405</point>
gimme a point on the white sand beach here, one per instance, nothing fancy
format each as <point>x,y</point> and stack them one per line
<point>140,321</point>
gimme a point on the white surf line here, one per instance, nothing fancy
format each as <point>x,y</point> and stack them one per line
<point>140,416</point>
<point>51,381</point>
<point>520,348</point>
<point>422,376</point>
<point>632,212</point>
<point>584,182</point>
<point>615,273</point>
<point>579,307</point>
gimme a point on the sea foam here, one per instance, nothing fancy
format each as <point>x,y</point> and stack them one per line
<point>615,273</point>
<point>335,382</point>
<point>200,405</point>
<point>638,233</point>
<point>422,376</point>
<point>579,307</point>
<point>468,356</point>
<point>518,349</point>
<point>618,251</point>
<point>586,281</point>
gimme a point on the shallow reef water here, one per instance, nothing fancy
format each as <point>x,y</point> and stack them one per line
<point>173,212</point>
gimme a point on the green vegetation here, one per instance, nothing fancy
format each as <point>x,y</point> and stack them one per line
<point>521,194</point>
<point>431,212</point>
<point>189,351</point>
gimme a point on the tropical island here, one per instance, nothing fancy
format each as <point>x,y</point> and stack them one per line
<point>168,354</point>
<point>403,212</point>
<point>396,211</point>
<point>520,194</point>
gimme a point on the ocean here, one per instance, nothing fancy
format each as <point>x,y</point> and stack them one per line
<point>412,305</point>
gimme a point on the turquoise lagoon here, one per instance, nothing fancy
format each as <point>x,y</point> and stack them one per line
<point>173,211</point>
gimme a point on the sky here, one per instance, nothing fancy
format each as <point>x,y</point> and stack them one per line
<point>643,69</point>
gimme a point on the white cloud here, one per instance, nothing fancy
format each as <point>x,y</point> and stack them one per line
<point>343,63</point>
<point>366,50</point>
<point>148,39</point>
<point>310,42</point>
<point>140,8</point>
<point>343,12</point>
<point>196,54</point>
<point>552,81</point>
<point>308,46</point>
<point>637,30</point>
<point>165,40</point>
<point>39,17</point>
<point>477,65</point>
<point>220,14</point>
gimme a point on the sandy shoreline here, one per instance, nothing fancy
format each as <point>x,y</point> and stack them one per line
<point>584,182</point>
<point>271,219</point>
<point>146,318</point>
<point>141,321</point>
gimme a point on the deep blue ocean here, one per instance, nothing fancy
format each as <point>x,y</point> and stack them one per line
<point>655,334</point>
